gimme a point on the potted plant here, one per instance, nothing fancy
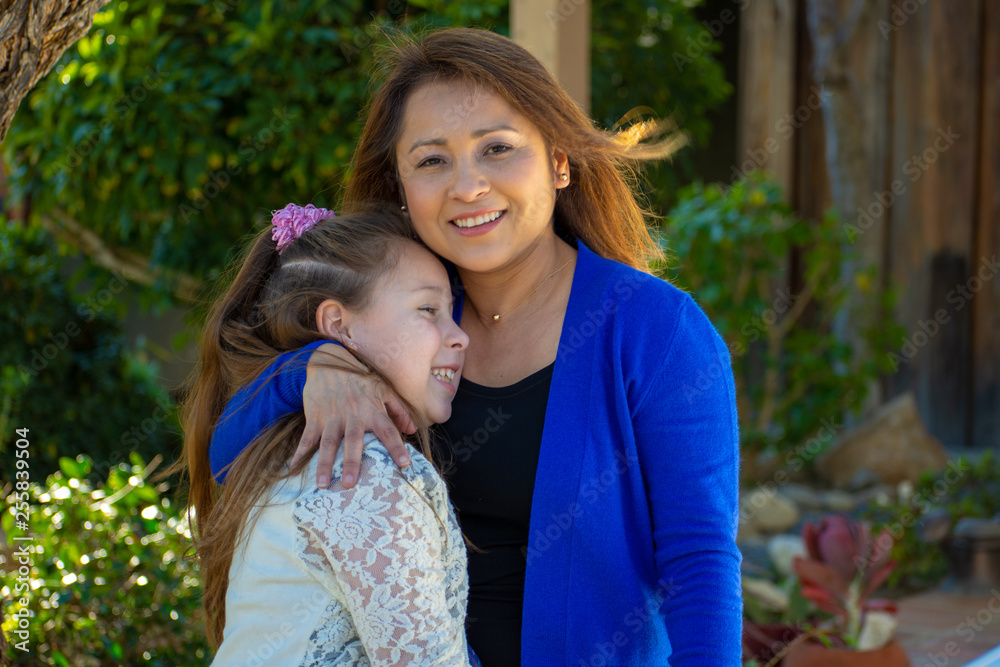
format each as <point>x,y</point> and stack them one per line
<point>842,568</point>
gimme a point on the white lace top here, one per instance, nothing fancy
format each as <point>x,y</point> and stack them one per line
<point>374,575</point>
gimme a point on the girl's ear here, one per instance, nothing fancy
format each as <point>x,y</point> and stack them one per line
<point>331,320</point>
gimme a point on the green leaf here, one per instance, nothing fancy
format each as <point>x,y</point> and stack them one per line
<point>70,468</point>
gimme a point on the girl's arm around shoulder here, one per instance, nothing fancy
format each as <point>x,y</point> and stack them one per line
<point>276,393</point>
<point>384,547</point>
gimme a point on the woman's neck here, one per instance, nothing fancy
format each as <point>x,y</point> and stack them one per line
<point>516,290</point>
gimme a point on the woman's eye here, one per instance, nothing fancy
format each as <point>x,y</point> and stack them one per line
<point>429,309</point>
<point>496,149</point>
<point>429,162</point>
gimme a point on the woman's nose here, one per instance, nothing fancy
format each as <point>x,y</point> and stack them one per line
<point>469,183</point>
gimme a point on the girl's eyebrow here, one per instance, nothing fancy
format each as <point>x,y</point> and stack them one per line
<point>431,288</point>
<point>443,292</point>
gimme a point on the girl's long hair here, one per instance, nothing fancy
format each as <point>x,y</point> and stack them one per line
<point>269,309</point>
<point>599,206</point>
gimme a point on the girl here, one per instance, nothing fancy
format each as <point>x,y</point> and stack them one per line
<point>372,574</point>
<point>594,432</point>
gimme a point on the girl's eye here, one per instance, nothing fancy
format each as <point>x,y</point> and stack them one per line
<point>429,309</point>
<point>496,149</point>
<point>429,162</point>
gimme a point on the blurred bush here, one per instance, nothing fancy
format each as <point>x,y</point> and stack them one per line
<point>65,370</point>
<point>731,247</point>
<point>109,583</point>
<point>968,488</point>
<point>172,128</point>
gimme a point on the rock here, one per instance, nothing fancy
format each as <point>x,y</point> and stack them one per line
<point>803,496</point>
<point>768,593</point>
<point>935,525</point>
<point>878,629</point>
<point>880,495</point>
<point>863,479</point>
<point>893,443</point>
<point>767,511</point>
<point>838,501</point>
<point>783,549</point>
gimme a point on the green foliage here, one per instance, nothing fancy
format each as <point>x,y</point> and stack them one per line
<point>171,128</point>
<point>968,489</point>
<point>65,371</point>
<point>730,248</point>
<point>109,582</point>
<point>656,57</point>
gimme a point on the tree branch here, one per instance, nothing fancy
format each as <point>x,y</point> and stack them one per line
<point>33,35</point>
<point>130,265</point>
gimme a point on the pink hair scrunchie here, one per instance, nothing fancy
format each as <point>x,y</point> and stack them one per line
<point>293,221</point>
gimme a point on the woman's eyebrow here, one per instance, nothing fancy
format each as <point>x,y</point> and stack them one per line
<point>488,130</point>
<point>427,142</point>
<point>475,135</point>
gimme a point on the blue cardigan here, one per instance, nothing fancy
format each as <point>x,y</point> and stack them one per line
<point>632,556</point>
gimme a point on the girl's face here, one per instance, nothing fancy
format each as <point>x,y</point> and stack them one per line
<point>408,334</point>
<point>478,180</point>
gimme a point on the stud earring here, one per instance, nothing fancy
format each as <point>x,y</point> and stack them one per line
<point>403,207</point>
<point>564,177</point>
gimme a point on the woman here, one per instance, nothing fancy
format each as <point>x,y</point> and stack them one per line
<point>598,485</point>
<point>374,574</point>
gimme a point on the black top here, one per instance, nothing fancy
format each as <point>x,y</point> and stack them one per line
<point>490,456</point>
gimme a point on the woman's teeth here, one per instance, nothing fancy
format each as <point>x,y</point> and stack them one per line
<point>465,223</point>
<point>445,374</point>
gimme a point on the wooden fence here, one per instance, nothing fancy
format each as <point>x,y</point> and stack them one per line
<point>890,110</point>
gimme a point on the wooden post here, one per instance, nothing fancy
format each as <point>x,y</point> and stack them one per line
<point>765,138</point>
<point>935,83</point>
<point>986,304</point>
<point>557,32</point>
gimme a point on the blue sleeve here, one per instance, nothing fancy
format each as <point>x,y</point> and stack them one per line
<point>687,439</point>
<point>277,392</point>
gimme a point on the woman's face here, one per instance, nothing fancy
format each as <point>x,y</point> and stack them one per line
<point>478,180</point>
<point>408,334</point>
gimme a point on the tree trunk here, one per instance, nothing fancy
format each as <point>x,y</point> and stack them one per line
<point>33,34</point>
<point>850,65</point>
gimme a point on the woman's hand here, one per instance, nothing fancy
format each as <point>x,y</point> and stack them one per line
<point>340,405</point>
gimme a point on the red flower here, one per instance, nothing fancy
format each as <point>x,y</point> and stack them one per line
<point>845,566</point>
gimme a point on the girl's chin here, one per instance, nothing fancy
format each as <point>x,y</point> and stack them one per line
<point>438,417</point>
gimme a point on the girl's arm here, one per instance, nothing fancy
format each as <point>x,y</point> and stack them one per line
<point>383,547</point>
<point>687,440</point>
<point>339,406</point>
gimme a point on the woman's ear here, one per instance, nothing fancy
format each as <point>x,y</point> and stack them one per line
<point>560,167</point>
<point>331,320</point>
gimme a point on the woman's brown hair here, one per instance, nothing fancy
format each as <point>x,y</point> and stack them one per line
<point>269,309</point>
<point>599,206</point>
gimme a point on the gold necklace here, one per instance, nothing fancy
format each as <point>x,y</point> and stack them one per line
<point>496,316</point>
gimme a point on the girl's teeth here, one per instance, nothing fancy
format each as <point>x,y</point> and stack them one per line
<point>445,374</point>
<point>465,223</point>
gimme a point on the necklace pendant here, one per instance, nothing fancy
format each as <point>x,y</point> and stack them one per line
<point>496,318</point>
